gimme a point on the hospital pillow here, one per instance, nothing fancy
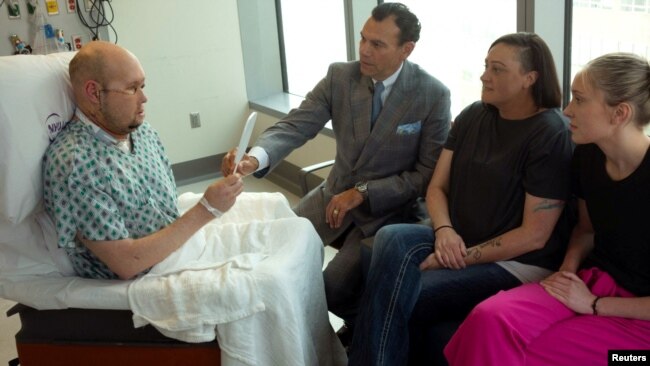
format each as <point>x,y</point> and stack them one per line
<point>30,248</point>
<point>35,103</point>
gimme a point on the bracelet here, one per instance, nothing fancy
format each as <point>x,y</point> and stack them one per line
<point>442,227</point>
<point>209,207</point>
<point>593,305</point>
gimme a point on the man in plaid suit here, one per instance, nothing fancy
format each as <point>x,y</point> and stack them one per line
<point>382,167</point>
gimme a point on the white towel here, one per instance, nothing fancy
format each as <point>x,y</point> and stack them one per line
<point>255,274</point>
<point>187,302</point>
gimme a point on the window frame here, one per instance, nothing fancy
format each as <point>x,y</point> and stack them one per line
<point>265,68</point>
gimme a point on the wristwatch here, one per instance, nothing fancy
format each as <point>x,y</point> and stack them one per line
<point>362,187</point>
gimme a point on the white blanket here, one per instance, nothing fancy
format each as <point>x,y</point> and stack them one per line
<point>255,274</point>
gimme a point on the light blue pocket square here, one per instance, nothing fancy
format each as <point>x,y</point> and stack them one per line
<point>412,128</point>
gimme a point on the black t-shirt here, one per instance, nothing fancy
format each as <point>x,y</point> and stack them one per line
<point>495,162</point>
<point>619,215</point>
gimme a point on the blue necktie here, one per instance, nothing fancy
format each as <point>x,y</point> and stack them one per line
<point>376,102</point>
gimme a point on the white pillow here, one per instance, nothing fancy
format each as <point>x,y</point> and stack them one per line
<point>30,248</point>
<point>35,103</point>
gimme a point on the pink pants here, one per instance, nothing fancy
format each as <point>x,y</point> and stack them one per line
<point>527,326</point>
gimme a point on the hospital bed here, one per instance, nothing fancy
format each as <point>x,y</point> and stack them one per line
<point>65,320</point>
<point>258,267</point>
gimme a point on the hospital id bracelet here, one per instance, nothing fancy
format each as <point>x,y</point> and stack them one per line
<point>209,207</point>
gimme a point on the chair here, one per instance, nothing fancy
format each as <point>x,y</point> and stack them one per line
<point>305,175</point>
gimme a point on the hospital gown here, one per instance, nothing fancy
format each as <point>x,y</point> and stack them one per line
<point>93,188</point>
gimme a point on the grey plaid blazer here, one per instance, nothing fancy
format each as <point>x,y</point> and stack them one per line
<point>397,157</point>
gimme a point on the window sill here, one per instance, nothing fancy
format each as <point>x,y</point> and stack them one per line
<point>278,105</point>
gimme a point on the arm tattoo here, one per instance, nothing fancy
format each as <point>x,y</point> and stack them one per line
<point>476,252</point>
<point>546,205</point>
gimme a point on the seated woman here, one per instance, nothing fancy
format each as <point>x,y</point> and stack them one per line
<point>576,315</point>
<point>497,192</point>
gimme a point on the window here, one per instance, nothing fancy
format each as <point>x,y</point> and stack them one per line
<point>621,26</point>
<point>311,43</point>
<point>314,37</point>
<point>454,41</point>
<point>314,33</point>
<point>606,4</point>
<point>642,6</point>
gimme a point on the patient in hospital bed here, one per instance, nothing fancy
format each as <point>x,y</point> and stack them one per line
<point>108,185</point>
<point>239,267</point>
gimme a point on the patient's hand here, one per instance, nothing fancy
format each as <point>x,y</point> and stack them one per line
<point>223,193</point>
<point>247,165</point>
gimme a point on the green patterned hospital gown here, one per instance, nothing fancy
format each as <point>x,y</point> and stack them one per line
<point>93,188</point>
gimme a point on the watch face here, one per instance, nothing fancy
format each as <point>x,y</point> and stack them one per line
<point>361,187</point>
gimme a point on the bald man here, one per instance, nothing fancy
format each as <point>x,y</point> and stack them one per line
<point>108,184</point>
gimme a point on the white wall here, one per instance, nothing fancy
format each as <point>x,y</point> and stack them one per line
<point>192,57</point>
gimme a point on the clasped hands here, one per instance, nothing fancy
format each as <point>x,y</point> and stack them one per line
<point>449,251</point>
<point>564,285</point>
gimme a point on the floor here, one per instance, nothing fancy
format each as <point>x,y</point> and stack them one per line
<point>10,326</point>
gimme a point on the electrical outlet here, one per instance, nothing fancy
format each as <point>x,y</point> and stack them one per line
<point>76,42</point>
<point>195,120</point>
<point>72,6</point>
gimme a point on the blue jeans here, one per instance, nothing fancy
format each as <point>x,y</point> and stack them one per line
<point>400,299</point>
